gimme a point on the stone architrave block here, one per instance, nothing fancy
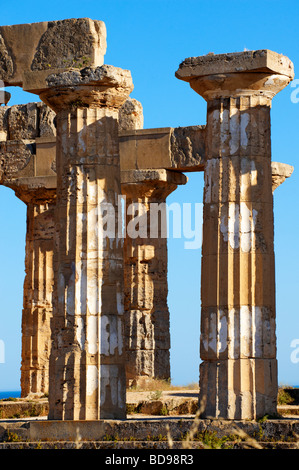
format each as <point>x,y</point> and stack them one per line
<point>30,52</point>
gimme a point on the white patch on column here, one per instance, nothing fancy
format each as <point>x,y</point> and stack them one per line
<point>246,331</point>
<point>213,332</point>
<point>257,332</point>
<point>246,229</point>
<point>234,225</point>
<point>222,332</point>
<point>224,227</point>
<point>93,231</point>
<point>248,223</point>
<point>92,379</point>
<point>81,284</point>
<point>234,333</point>
<point>92,333</point>
<point>92,295</point>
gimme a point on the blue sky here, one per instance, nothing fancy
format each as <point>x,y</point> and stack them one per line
<point>151,38</point>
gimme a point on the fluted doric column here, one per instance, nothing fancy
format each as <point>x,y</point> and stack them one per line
<point>38,290</point>
<point>87,362</point>
<point>147,333</point>
<point>238,375</point>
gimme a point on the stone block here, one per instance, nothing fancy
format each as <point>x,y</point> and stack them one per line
<point>23,122</point>
<point>248,61</point>
<point>15,156</point>
<point>37,49</point>
<point>47,121</point>
<point>45,162</point>
<point>130,115</point>
<point>171,148</point>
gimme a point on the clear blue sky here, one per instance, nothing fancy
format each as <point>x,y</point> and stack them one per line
<point>151,38</point>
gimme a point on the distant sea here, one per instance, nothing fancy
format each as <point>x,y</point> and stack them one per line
<point>10,394</point>
<point>17,393</point>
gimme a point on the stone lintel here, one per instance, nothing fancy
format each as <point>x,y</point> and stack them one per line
<point>248,61</point>
<point>39,170</point>
<point>30,52</point>
<point>181,149</point>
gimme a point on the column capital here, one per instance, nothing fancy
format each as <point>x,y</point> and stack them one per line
<point>280,172</point>
<point>261,73</point>
<point>151,183</point>
<point>104,86</point>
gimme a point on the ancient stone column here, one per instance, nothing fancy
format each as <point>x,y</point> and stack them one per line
<point>147,333</point>
<point>238,375</point>
<point>38,290</point>
<point>87,362</point>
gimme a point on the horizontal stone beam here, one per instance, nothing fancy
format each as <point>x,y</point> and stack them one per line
<point>29,53</point>
<point>28,148</point>
<point>181,148</point>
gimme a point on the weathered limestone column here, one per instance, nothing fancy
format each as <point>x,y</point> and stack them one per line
<point>147,334</point>
<point>238,375</point>
<point>38,290</point>
<point>87,362</point>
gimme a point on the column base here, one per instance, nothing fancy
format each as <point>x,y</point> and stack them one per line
<point>238,388</point>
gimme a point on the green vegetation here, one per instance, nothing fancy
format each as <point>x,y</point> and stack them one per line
<point>284,398</point>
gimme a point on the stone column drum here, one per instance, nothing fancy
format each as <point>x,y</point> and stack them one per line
<point>238,375</point>
<point>38,290</point>
<point>147,328</point>
<point>87,362</point>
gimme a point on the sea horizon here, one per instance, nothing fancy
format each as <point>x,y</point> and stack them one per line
<point>17,393</point>
<point>10,394</point>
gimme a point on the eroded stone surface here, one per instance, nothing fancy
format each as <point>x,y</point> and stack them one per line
<point>147,329</point>
<point>29,52</point>
<point>87,361</point>
<point>238,375</point>
<point>37,305</point>
<point>280,172</point>
<point>130,115</point>
<point>180,148</point>
<point>71,43</point>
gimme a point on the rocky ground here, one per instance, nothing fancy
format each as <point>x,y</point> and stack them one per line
<point>158,419</point>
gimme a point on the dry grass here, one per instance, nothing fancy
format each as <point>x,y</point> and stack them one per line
<point>153,385</point>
